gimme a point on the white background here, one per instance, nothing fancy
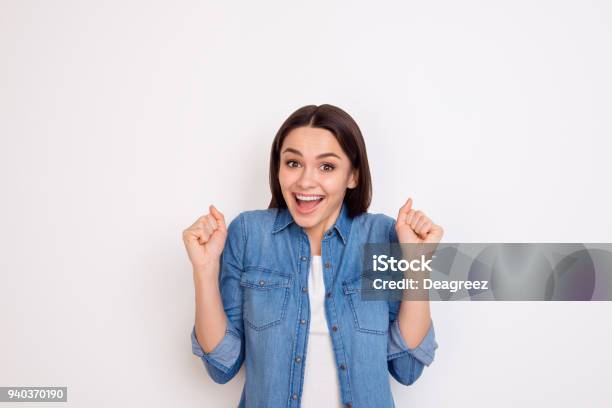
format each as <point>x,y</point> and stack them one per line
<point>121,121</point>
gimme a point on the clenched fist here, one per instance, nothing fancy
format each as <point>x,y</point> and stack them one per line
<point>205,239</point>
<point>414,227</point>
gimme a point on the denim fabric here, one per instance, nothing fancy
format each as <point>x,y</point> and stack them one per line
<point>264,287</point>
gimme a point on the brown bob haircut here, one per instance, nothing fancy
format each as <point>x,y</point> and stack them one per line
<point>346,131</point>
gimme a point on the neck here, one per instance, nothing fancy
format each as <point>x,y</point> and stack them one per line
<point>315,233</point>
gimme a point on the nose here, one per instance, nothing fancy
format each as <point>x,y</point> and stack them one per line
<point>307,178</point>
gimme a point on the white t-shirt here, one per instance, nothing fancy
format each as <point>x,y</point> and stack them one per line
<point>321,387</point>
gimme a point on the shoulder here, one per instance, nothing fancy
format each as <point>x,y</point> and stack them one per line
<point>251,221</point>
<point>374,220</point>
<point>259,218</point>
<point>373,227</point>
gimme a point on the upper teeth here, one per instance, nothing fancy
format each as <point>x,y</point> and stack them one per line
<point>308,198</point>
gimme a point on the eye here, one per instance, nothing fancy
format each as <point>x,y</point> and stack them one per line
<point>293,163</point>
<point>326,167</point>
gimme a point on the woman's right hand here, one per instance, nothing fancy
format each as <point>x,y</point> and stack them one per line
<point>205,239</point>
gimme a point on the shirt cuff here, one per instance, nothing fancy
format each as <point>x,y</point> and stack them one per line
<point>424,352</point>
<point>224,355</point>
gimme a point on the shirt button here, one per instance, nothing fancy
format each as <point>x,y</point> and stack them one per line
<point>303,258</point>
<point>329,234</point>
<point>298,360</point>
<point>262,282</point>
<point>302,321</point>
<point>304,289</point>
<point>294,397</point>
<point>335,328</point>
<point>342,367</point>
<point>327,265</point>
<point>328,295</point>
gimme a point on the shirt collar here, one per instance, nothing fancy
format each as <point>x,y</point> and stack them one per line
<point>342,225</point>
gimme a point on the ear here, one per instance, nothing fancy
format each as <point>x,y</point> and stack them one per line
<point>353,179</point>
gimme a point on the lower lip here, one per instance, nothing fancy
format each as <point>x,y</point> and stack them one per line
<point>305,211</point>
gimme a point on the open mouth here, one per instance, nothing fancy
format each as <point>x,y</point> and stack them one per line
<point>307,203</point>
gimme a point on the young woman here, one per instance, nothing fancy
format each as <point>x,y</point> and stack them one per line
<point>278,289</point>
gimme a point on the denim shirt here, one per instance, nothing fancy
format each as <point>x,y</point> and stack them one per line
<point>264,288</point>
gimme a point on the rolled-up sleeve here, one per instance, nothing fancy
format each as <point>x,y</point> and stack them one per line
<point>406,364</point>
<point>223,362</point>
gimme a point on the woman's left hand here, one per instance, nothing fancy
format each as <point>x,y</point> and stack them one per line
<point>414,227</point>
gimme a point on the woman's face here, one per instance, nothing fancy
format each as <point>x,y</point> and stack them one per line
<point>314,174</point>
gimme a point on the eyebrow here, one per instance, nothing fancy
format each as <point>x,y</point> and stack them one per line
<point>291,150</point>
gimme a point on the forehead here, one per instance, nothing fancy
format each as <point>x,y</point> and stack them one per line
<point>312,141</point>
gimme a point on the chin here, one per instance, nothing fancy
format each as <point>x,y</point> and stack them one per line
<point>304,220</point>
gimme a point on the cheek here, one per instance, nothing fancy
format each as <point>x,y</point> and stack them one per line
<point>285,179</point>
<point>335,186</point>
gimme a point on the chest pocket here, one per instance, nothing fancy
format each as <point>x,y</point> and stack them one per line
<point>265,296</point>
<point>371,316</point>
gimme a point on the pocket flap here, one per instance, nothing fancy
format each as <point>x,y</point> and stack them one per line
<point>361,283</point>
<point>263,278</point>
<point>352,286</point>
